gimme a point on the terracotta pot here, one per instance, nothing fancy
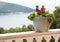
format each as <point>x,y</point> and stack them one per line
<point>41,24</point>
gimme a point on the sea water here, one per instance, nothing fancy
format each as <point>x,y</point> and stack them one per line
<point>8,20</point>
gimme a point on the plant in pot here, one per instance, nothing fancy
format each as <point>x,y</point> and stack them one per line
<point>41,19</point>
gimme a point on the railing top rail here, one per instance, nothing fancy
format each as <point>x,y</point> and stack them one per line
<point>27,34</point>
<point>18,33</point>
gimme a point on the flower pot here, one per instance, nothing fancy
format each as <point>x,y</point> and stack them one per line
<point>41,24</point>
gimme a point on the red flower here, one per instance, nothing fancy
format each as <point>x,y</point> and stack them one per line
<point>42,9</point>
<point>37,10</point>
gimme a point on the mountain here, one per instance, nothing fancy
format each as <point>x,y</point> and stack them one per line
<point>9,7</point>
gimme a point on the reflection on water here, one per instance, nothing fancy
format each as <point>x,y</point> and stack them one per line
<point>8,20</point>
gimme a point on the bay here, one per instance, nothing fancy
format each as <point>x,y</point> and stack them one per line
<point>18,19</point>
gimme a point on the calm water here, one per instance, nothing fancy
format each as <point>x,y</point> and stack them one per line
<point>8,20</point>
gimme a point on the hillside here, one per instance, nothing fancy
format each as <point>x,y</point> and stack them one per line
<point>9,7</point>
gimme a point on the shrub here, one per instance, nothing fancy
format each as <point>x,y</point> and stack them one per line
<point>1,30</point>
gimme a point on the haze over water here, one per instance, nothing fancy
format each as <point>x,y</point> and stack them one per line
<point>8,20</point>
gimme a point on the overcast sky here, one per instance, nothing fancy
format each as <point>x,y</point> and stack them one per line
<point>49,4</point>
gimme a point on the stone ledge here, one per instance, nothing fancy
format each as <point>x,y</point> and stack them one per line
<point>28,34</point>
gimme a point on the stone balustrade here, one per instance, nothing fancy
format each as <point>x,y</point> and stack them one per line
<point>18,37</point>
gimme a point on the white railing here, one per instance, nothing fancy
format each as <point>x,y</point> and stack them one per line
<point>29,36</point>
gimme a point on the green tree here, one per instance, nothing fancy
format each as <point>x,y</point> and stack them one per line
<point>30,27</point>
<point>6,31</point>
<point>56,23</point>
<point>24,28</point>
<point>11,30</point>
<point>18,29</point>
<point>57,13</point>
<point>1,30</point>
<point>57,16</point>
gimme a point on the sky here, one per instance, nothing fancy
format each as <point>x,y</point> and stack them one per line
<point>19,20</point>
<point>49,4</point>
